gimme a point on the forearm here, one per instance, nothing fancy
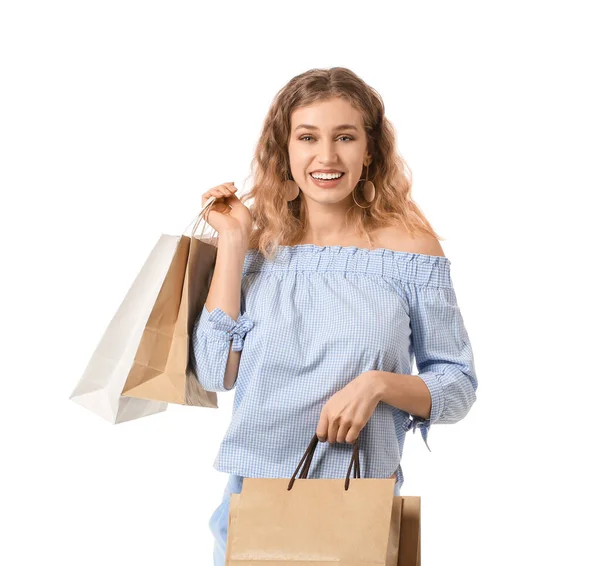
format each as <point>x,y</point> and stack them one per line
<point>405,392</point>
<point>226,284</point>
<point>225,290</point>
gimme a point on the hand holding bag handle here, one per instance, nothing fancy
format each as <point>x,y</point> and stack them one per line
<point>308,456</point>
<point>202,215</point>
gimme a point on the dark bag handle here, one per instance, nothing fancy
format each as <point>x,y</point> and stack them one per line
<point>308,456</point>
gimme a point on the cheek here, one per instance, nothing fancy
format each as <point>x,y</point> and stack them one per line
<point>357,155</point>
<point>296,153</point>
<point>300,161</point>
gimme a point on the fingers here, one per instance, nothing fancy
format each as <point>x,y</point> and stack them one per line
<point>223,191</point>
<point>233,201</point>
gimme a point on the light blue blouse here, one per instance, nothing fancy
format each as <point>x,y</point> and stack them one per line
<point>311,321</point>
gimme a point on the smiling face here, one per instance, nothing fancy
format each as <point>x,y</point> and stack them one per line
<point>335,140</point>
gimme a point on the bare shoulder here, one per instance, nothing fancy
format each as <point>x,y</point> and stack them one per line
<point>397,238</point>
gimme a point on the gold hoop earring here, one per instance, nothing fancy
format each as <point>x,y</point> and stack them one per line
<point>291,190</point>
<point>368,190</point>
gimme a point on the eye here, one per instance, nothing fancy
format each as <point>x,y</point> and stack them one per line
<point>307,136</point>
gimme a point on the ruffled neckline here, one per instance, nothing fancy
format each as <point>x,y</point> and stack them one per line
<point>405,266</point>
<point>300,248</point>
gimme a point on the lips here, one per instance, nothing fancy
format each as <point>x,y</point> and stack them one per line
<point>327,183</point>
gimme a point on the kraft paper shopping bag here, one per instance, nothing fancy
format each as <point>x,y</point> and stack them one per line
<point>161,369</point>
<point>321,522</point>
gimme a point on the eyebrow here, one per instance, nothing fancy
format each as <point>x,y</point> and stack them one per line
<point>341,127</point>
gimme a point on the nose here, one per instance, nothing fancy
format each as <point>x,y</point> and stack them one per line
<point>327,153</point>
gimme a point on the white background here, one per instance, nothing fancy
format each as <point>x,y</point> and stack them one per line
<point>116,116</point>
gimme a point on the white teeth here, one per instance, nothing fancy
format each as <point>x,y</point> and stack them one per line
<point>326,175</point>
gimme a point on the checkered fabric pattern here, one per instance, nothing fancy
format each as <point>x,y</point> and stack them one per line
<point>312,320</point>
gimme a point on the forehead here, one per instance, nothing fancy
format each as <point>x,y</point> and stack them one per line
<point>327,114</point>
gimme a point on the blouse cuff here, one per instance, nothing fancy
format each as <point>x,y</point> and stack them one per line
<point>436,391</point>
<point>221,321</point>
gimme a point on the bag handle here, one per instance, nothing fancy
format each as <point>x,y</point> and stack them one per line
<point>200,216</point>
<point>308,456</point>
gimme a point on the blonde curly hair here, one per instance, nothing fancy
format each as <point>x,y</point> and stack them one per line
<point>279,222</point>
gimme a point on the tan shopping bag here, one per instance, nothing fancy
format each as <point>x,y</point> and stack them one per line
<point>406,511</point>
<point>318,522</point>
<point>410,534</point>
<point>161,370</point>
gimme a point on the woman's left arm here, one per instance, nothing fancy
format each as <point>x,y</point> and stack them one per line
<point>444,360</point>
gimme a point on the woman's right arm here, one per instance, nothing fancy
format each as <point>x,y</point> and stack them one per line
<point>220,325</point>
<point>217,337</point>
<point>226,289</point>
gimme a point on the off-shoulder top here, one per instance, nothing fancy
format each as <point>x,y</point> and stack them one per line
<point>312,320</point>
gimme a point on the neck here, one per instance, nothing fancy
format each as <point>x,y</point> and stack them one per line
<point>326,223</point>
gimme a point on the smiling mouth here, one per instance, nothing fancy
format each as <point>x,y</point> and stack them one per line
<point>322,179</point>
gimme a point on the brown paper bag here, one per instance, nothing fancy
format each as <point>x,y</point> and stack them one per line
<point>318,522</point>
<point>404,543</point>
<point>161,370</point>
<point>410,534</point>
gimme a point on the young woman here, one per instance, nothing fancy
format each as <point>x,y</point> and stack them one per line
<point>331,284</point>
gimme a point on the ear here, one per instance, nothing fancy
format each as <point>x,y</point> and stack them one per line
<point>368,159</point>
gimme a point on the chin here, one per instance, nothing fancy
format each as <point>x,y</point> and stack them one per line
<point>325,197</point>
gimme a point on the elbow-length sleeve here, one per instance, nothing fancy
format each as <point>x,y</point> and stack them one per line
<point>211,337</point>
<point>443,354</point>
